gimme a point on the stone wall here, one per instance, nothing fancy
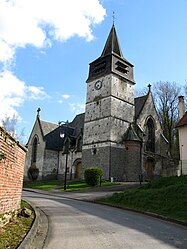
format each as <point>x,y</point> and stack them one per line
<point>36,132</point>
<point>11,172</point>
<point>133,161</point>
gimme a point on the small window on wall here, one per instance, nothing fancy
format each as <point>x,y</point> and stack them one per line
<point>34,149</point>
<point>150,144</point>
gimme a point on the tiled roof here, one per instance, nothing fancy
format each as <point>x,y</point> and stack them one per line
<point>182,121</point>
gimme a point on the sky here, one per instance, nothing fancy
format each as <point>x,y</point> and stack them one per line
<point>46,47</point>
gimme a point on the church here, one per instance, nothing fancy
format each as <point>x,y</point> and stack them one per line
<point>119,133</point>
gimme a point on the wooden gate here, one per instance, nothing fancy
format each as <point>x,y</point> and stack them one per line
<point>78,170</point>
<point>149,167</point>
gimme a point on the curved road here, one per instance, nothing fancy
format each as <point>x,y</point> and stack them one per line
<point>75,224</point>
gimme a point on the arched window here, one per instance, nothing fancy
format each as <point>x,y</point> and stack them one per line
<point>150,144</point>
<point>34,149</point>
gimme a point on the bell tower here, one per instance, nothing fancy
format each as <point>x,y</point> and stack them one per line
<point>109,109</point>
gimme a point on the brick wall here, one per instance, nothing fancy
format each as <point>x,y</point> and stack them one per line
<point>11,172</point>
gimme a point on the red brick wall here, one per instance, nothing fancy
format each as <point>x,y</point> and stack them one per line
<point>11,172</point>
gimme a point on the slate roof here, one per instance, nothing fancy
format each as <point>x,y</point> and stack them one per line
<point>139,103</point>
<point>52,132</point>
<point>54,140</point>
<point>182,121</point>
<point>112,44</point>
<point>78,123</point>
<point>47,127</point>
<point>131,135</point>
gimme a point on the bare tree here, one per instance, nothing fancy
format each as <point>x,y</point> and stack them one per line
<point>140,91</point>
<point>10,125</point>
<point>166,100</point>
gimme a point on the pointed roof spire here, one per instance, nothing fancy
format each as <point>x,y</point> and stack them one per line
<point>112,44</point>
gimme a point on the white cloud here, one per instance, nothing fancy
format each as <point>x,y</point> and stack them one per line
<point>13,93</point>
<point>37,22</point>
<point>36,92</point>
<point>77,107</point>
<point>65,96</point>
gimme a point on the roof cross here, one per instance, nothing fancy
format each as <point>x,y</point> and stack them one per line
<point>113,17</point>
<point>38,112</point>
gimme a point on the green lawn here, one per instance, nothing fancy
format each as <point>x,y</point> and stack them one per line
<point>52,184</point>
<point>165,196</point>
<point>12,234</point>
<point>44,185</point>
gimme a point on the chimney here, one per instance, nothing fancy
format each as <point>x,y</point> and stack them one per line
<point>181,106</point>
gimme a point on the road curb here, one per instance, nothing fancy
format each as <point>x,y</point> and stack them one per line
<point>36,236</point>
<point>157,216</point>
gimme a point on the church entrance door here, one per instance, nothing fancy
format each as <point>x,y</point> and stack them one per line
<point>78,170</point>
<point>149,167</point>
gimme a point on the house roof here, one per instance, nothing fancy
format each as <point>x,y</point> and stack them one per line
<point>47,126</point>
<point>131,135</point>
<point>53,139</point>
<point>78,123</point>
<point>52,132</point>
<point>182,121</point>
<point>139,104</point>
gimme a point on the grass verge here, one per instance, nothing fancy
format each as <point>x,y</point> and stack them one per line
<point>81,185</point>
<point>44,185</point>
<point>165,196</point>
<point>12,234</point>
<point>71,185</point>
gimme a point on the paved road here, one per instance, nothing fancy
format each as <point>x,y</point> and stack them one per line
<point>75,224</point>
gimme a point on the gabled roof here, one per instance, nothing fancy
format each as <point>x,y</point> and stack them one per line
<point>139,103</point>
<point>72,130</point>
<point>54,141</point>
<point>112,44</point>
<point>182,121</point>
<point>78,123</point>
<point>47,126</point>
<point>131,135</point>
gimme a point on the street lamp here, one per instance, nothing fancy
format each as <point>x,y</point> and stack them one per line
<point>66,151</point>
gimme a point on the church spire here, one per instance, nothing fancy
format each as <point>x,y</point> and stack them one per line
<point>112,45</point>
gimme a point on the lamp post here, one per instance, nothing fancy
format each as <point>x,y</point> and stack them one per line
<point>66,151</point>
<point>66,165</point>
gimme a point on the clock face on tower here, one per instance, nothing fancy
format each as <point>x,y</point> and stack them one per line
<point>98,85</point>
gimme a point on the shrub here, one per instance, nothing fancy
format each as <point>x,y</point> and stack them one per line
<point>93,176</point>
<point>33,173</point>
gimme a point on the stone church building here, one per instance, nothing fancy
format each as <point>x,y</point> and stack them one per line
<point>119,133</point>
